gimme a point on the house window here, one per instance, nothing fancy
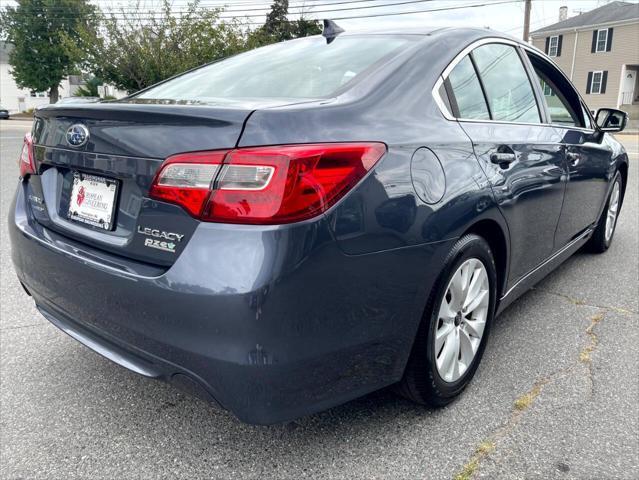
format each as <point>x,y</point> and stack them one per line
<point>602,40</point>
<point>595,84</point>
<point>553,46</point>
<point>548,92</point>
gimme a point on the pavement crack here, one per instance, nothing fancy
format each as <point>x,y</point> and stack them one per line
<point>585,356</point>
<point>577,301</point>
<point>486,447</point>
<point>6,329</point>
<point>471,467</point>
<point>526,400</point>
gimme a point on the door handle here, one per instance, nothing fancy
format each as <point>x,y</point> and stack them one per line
<point>573,158</point>
<point>503,159</point>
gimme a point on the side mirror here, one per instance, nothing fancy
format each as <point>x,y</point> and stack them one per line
<point>611,120</point>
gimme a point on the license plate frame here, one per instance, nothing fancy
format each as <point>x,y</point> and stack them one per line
<point>93,200</point>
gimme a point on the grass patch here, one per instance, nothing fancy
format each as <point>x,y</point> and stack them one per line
<point>468,471</point>
<point>471,467</point>
<point>526,400</point>
<point>584,355</point>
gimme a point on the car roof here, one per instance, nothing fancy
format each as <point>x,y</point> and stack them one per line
<point>431,31</point>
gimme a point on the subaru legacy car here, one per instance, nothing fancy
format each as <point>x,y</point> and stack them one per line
<point>296,226</point>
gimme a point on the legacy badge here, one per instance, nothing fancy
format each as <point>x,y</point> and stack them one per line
<point>162,240</point>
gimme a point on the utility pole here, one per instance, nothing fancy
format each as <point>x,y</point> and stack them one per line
<point>527,8</point>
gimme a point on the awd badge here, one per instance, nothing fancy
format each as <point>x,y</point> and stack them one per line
<point>162,240</point>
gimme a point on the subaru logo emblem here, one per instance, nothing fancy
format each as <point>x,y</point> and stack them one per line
<point>77,135</point>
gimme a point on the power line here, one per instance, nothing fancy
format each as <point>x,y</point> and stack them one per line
<point>240,5</point>
<point>430,10</point>
<point>152,16</point>
<point>265,6</point>
<point>364,7</point>
<point>392,14</point>
<point>543,21</point>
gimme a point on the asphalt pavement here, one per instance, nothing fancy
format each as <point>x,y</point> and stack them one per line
<point>556,395</point>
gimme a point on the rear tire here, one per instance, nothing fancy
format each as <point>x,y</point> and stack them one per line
<point>431,376</point>
<point>602,237</point>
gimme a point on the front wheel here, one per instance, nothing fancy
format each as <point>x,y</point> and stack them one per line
<point>605,230</point>
<point>453,332</point>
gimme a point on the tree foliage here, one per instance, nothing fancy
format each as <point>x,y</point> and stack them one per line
<point>130,48</point>
<point>90,88</point>
<point>40,31</point>
<point>278,27</point>
<point>135,50</point>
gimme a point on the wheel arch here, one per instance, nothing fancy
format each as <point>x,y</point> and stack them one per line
<point>623,170</point>
<point>491,231</point>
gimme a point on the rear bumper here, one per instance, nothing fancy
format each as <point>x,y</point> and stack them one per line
<point>272,323</point>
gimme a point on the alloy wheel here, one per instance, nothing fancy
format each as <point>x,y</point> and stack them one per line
<point>462,319</point>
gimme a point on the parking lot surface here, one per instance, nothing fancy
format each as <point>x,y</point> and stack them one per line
<point>556,395</point>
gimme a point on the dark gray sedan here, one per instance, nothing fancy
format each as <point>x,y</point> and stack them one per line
<point>296,226</point>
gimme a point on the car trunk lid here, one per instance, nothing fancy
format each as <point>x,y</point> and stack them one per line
<point>114,166</point>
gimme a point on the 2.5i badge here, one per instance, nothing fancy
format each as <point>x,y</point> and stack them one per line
<point>162,240</point>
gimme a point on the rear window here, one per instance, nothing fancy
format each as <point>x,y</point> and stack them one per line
<point>469,98</point>
<point>304,68</point>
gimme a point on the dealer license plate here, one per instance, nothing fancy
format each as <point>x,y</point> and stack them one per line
<point>93,200</point>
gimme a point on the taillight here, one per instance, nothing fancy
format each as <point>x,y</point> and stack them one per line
<point>27,167</point>
<point>186,180</point>
<point>264,185</point>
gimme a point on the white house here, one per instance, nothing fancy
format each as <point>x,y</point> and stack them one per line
<point>17,99</point>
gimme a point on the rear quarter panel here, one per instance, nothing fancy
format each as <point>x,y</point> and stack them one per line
<point>393,106</point>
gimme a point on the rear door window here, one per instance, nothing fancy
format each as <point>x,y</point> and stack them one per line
<point>508,89</point>
<point>467,97</point>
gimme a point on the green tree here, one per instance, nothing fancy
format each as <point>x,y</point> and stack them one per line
<point>90,88</point>
<point>40,31</point>
<point>138,48</point>
<point>276,23</point>
<point>278,27</point>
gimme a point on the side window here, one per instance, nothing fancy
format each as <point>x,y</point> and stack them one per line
<point>508,89</point>
<point>559,109</point>
<point>562,101</point>
<point>467,97</point>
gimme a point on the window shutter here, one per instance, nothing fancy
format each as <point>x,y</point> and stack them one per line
<point>604,78</point>
<point>559,41</point>
<point>609,42</point>
<point>547,45</point>
<point>589,82</point>
<point>594,41</point>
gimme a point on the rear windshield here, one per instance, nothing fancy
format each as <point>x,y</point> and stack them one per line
<point>304,68</point>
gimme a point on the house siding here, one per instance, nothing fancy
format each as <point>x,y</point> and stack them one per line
<point>564,61</point>
<point>625,51</point>
<point>11,94</point>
